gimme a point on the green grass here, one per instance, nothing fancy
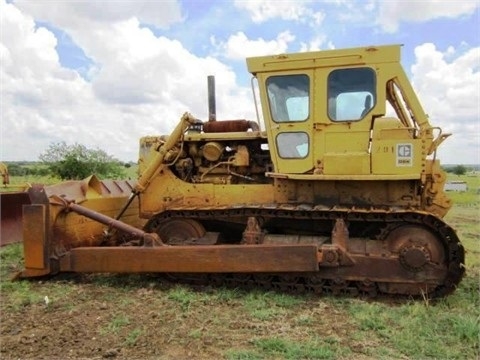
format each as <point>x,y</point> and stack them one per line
<point>316,348</point>
<point>183,296</point>
<point>133,336</point>
<point>115,324</point>
<point>132,172</point>
<point>268,305</point>
<point>419,331</point>
<point>25,293</point>
<point>243,355</point>
<point>279,348</point>
<point>471,197</point>
<point>19,183</point>
<point>11,262</point>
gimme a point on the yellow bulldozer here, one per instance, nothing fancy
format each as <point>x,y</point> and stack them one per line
<point>335,187</point>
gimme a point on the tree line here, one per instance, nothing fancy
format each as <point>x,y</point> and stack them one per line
<point>71,162</point>
<point>457,169</point>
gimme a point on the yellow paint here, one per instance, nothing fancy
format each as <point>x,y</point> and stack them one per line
<point>326,142</point>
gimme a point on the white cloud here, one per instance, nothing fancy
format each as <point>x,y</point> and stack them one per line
<point>450,94</point>
<point>392,13</point>
<point>141,85</point>
<point>89,21</point>
<point>314,45</point>
<point>36,42</point>
<point>264,10</point>
<point>161,14</point>
<point>238,46</point>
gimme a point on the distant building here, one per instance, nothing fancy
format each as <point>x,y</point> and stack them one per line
<point>456,186</point>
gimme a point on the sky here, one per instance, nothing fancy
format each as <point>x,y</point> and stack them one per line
<point>105,73</point>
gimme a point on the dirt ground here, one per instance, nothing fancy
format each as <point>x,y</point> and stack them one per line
<point>132,317</point>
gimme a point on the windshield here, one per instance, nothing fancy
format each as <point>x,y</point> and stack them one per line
<point>289,97</point>
<point>351,94</point>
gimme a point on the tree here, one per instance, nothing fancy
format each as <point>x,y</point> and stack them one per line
<point>75,162</point>
<point>459,170</point>
<point>15,169</point>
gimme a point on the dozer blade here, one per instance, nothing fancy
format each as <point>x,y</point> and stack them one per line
<point>11,216</point>
<point>50,229</point>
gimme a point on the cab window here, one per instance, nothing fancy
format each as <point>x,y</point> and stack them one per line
<point>288,97</point>
<point>351,94</point>
<point>292,145</point>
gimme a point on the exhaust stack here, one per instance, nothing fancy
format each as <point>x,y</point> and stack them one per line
<point>212,112</point>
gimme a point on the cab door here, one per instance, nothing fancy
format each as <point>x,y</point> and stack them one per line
<point>288,120</point>
<point>342,130</point>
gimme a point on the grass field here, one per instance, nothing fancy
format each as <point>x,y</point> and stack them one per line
<point>144,317</point>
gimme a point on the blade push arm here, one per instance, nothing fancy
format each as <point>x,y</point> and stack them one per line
<point>157,161</point>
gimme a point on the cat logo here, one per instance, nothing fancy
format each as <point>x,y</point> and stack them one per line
<point>404,154</point>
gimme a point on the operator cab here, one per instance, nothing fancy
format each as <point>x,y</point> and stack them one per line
<point>324,114</point>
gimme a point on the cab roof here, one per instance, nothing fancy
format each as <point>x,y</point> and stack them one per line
<point>325,58</point>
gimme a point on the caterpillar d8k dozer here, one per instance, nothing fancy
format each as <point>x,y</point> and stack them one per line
<point>341,192</point>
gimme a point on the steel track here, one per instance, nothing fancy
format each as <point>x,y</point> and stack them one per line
<point>310,282</point>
